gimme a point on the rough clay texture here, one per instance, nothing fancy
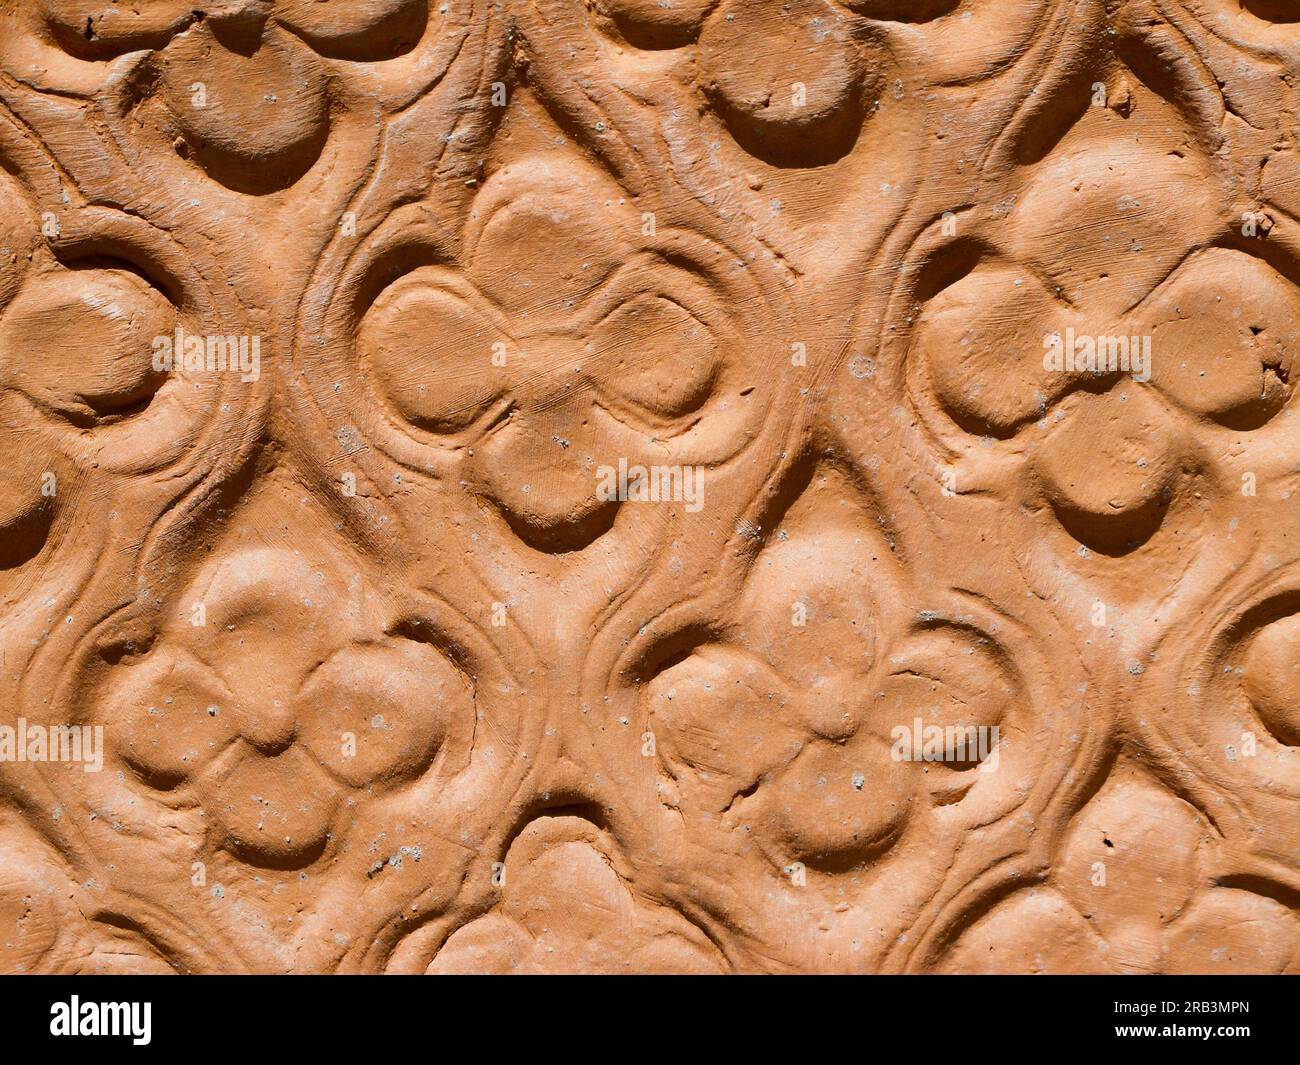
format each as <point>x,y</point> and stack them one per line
<point>387,681</point>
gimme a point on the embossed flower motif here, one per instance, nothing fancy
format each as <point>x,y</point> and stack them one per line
<point>1066,339</point>
<point>77,331</point>
<point>240,84</point>
<point>570,338</point>
<point>812,721</point>
<point>794,80</point>
<point>568,906</point>
<point>1130,895</point>
<point>279,701</point>
<point>1272,677</point>
<point>1243,706</point>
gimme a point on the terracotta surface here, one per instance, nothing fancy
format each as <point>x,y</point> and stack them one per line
<point>340,341</point>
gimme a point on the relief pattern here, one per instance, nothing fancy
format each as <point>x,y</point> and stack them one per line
<point>388,680</point>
